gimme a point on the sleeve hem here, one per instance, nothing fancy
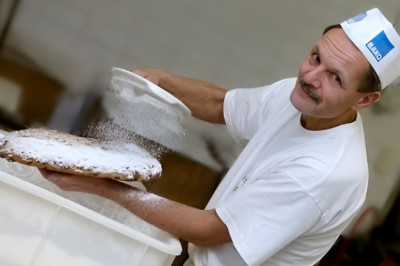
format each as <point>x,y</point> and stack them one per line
<point>234,233</point>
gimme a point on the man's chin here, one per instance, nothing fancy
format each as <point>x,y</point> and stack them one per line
<point>295,102</point>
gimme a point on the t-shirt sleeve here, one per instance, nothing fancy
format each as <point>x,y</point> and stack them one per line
<point>265,215</point>
<point>246,109</point>
<point>242,111</point>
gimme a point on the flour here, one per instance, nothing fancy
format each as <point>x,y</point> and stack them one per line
<point>150,200</point>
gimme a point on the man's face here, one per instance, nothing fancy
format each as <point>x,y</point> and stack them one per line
<point>329,77</point>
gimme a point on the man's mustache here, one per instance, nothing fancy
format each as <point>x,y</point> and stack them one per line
<point>311,91</point>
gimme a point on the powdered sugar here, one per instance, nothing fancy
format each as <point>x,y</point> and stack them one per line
<point>108,130</point>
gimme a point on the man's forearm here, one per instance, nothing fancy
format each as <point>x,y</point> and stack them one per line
<point>204,99</point>
<point>201,227</point>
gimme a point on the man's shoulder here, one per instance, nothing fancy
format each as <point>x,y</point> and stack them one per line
<point>291,80</point>
<point>287,83</point>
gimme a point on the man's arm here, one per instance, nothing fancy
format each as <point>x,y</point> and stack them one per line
<point>200,227</point>
<point>204,99</point>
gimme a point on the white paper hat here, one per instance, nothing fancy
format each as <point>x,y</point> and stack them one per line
<point>378,40</point>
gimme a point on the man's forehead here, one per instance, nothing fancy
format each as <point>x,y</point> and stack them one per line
<point>338,33</point>
<point>341,56</point>
<point>336,43</point>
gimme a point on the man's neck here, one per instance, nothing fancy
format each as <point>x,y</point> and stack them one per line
<point>317,123</point>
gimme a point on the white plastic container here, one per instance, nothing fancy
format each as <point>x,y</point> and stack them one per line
<point>40,228</point>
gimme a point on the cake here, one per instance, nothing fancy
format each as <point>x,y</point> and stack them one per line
<point>62,152</point>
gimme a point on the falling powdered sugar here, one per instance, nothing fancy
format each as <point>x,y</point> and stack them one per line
<point>108,130</point>
<point>128,107</point>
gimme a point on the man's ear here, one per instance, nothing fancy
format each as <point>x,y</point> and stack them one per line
<point>367,100</point>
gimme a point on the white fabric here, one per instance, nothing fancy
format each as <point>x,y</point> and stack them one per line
<point>378,40</point>
<point>292,191</point>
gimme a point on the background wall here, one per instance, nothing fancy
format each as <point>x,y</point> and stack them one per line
<point>229,42</point>
<point>232,43</point>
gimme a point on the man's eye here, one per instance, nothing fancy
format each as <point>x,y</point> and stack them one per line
<point>316,57</point>
<point>337,78</point>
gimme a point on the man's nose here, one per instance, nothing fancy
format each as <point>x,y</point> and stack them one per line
<point>314,77</point>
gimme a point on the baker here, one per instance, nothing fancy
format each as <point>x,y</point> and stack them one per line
<point>302,176</point>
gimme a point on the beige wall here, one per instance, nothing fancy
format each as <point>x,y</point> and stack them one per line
<point>230,42</point>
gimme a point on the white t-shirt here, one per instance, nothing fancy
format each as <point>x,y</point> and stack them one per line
<point>292,191</point>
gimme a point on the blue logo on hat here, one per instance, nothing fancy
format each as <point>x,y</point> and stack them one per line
<point>380,46</point>
<point>357,18</point>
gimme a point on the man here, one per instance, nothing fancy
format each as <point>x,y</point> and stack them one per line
<point>302,176</point>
